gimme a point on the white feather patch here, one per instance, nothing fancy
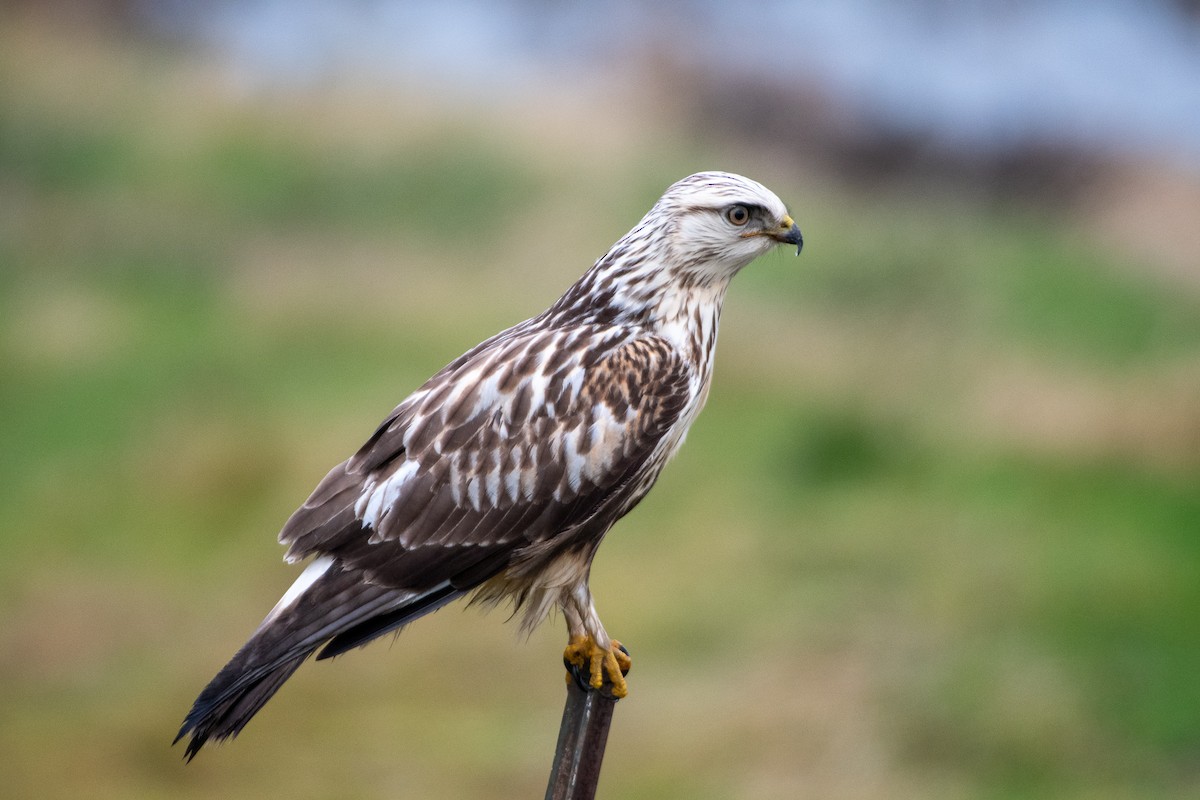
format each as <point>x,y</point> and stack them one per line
<point>607,436</point>
<point>573,384</point>
<point>378,498</point>
<point>537,390</point>
<point>529,474</point>
<point>512,484</point>
<point>493,480</point>
<point>474,495</point>
<point>575,462</point>
<point>307,578</point>
<point>489,394</point>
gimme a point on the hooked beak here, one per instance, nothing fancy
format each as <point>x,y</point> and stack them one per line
<point>788,232</point>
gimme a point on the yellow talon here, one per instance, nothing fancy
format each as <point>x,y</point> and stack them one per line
<point>600,661</point>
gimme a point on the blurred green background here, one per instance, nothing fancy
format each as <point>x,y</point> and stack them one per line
<point>937,533</point>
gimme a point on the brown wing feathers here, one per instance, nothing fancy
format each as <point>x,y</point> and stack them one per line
<point>525,440</point>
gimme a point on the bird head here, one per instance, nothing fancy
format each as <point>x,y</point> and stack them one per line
<point>717,222</point>
<point>698,235</point>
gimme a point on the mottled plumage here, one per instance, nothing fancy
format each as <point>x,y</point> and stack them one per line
<point>503,472</point>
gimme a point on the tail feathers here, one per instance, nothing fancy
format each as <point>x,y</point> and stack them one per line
<point>336,602</point>
<point>220,714</point>
<point>376,626</point>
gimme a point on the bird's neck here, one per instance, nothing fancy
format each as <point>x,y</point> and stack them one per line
<point>646,294</point>
<point>689,317</point>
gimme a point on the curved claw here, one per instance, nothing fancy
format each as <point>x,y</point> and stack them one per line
<point>610,662</point>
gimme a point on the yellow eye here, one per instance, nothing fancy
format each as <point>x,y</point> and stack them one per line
<point>737,215</point>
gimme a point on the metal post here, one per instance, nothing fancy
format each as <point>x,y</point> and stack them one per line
<point>587,716</point>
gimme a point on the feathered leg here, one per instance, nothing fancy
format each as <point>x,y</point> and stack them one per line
<point>590,646</point>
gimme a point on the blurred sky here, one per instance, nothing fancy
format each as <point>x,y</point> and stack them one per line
<point>1115,75</point>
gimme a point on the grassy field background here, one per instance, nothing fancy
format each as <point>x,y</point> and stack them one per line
<point>936,535</point>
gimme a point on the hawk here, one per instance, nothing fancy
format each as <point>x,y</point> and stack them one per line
<point>503,472</point>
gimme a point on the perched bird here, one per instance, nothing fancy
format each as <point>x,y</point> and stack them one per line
<point>502,474</point>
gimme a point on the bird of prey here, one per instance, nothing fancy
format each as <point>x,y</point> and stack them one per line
<point>504,471</point>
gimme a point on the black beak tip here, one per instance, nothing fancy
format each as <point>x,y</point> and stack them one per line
<point>794,237</point>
